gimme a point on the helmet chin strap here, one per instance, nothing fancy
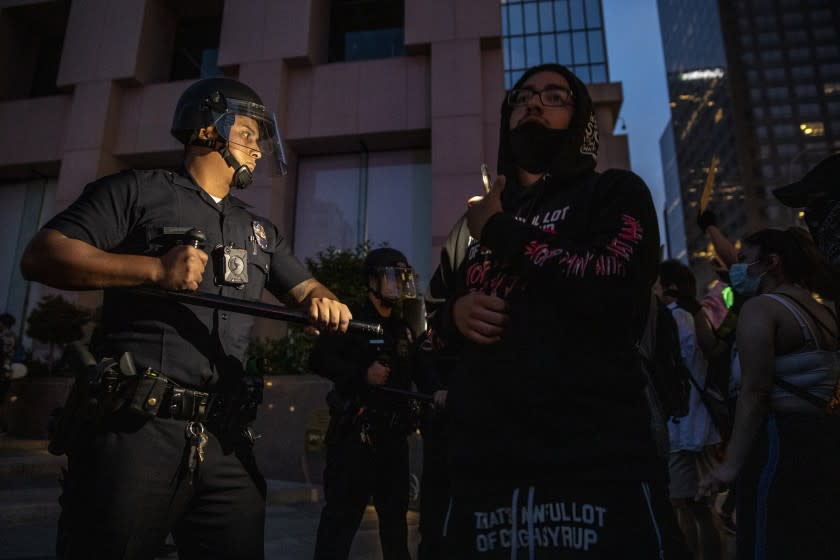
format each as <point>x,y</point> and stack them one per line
<point>242,176</point>
<point>385,301</point>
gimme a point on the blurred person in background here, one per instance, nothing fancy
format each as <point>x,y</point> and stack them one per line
<point>783,454</point>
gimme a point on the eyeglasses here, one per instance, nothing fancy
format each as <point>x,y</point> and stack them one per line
<point>551,97</point>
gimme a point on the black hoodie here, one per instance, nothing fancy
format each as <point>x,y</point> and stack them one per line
<point>560,398</point>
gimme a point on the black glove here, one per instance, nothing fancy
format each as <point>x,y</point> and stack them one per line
<point>705,219</point>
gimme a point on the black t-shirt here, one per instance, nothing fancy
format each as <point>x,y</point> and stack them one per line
<point>125,213</point>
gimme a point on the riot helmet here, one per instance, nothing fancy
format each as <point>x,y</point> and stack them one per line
<point>240,118</point>
<point>393,278</point>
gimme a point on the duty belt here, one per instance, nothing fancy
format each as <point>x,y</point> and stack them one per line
<point>180,403</point>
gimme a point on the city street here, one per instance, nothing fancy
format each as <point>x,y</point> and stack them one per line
<point>29,511</point>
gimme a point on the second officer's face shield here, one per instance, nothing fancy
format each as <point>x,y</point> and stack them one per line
<point>252,129</point>
<point>396,282</point>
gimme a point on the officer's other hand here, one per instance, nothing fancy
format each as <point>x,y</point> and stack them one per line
<point>480,318</point>
<point>378,373</point>
<point>706,219</point>
<point>182,268</point>
<point>480,209</point>
<point>329,315</point>
<point>440,398</point>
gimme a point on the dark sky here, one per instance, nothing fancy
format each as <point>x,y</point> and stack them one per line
<point>634,49</point>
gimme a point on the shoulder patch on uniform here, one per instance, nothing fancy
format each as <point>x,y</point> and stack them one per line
<point>260,234</point>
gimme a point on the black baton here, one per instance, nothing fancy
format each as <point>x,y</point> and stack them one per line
<point>407,394</point>
<point>247,307</point>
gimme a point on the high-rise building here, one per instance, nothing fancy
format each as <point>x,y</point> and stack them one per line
<point>755,83</point>
<point>701,131</point>
<point>388,109</point>
<point>568,32</point>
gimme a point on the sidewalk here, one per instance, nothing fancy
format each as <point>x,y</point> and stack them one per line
<point>29,511</point>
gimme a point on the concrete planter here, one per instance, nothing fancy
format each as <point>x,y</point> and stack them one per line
<point>29,402</point>
<point>293,405</point>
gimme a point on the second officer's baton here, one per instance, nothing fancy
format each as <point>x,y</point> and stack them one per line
<point>406,394</point>
<point>247,307</point>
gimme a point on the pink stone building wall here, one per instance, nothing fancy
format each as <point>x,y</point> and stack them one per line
<point>114,107</point>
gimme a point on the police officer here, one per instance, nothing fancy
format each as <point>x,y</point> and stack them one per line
<point>367,447</point>
<point>173,453</point>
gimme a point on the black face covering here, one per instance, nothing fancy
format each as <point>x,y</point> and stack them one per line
<point>565,155</point>
<point>534,147</point>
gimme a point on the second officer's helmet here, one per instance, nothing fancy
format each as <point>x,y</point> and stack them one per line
<point>393,278</point>
<point>217,102</point>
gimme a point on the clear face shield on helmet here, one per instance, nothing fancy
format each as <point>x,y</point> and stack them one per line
<point>249,127</point>
<point>396,282</point>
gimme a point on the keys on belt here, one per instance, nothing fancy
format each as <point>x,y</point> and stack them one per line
<point>197,440</point>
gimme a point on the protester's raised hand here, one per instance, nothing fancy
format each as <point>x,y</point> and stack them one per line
<point>481,208</point>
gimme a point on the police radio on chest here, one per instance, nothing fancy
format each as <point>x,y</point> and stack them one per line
<point>230,265</point>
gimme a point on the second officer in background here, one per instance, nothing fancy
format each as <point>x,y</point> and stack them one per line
<point>367,447</point>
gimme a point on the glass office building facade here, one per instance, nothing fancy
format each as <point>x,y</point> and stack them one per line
<point>568,32</point>
<point>756,83</point>
<point>702,129</point>
<point>786,60</point>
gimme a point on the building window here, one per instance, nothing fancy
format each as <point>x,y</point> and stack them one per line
<point>831,88</point>
<point>765,22</point>
<point>569,32</point>
<point>813,128</point>
<point>782,131</point>
<point>809,110</point>
<point>793,19</point>
<point>781,111</point>
<point>196,45</point>
<point>787,150</point>
<point>830,70</point>
<point>802,72</point>
<point>806,90</point>
<point>24,204</point>
<point>771,57</point>
<point>366,29</point>
<point>380,197</point>
<point>828,52</point>
<point>795,36</point>
<point>825,33</point>
<point>777,93</point>
<point>31,40</point>
<point>774,74</point>
<point>769,38</point>
<point>799,54</point>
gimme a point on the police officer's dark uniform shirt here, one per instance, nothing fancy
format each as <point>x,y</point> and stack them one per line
<point>344,359</point>
<point>123,213</point>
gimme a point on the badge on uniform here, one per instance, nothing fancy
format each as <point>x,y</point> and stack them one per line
<point>260,235</point>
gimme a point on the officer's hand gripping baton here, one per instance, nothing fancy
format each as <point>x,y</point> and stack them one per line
<point>247,307</point>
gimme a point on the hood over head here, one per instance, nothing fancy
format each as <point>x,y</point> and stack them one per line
<point>576,153</point>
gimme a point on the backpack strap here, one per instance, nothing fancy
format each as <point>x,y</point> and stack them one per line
<point>811,314</point>
<point>801,393</point>
<point>804,325</point>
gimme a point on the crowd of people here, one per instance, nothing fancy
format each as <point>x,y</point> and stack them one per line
<point>589,401</point>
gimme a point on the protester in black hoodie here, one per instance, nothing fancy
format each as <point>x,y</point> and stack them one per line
<point>551,453</point>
